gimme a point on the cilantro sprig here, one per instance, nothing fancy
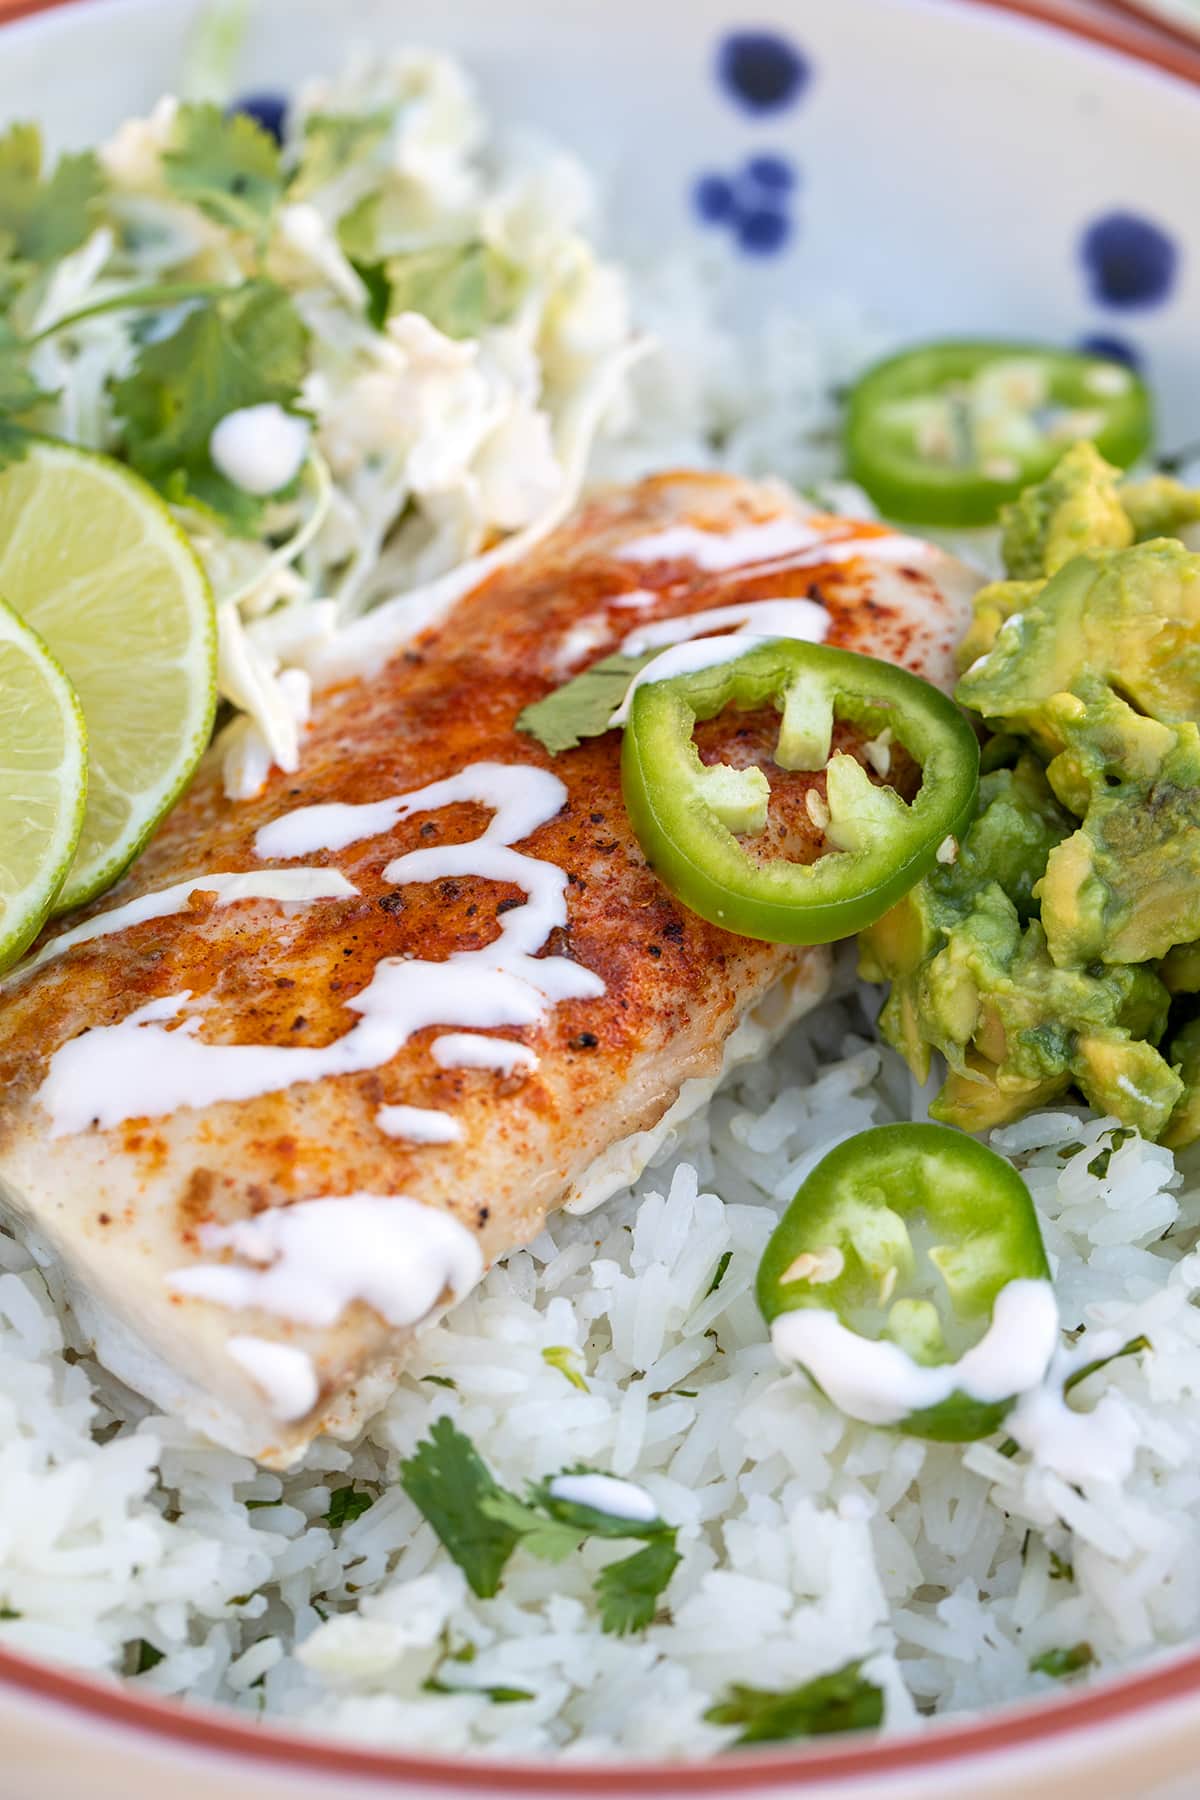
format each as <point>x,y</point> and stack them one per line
<point>43,216</point>
<point>481,1524</point>
<point>227,165</point>
<point>583,706</point>
<point>844,1700</point>
<point>242,348</point>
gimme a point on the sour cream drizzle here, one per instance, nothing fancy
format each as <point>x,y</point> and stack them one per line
<point>418,1124</point>
<point>803,619</point>
<point>284,1373</point>
<point>606,1494</point>
<point>297,887</point>
<point>308,1262</point>
<point>140,1068</point>
<point>779,540</point>
<point>879,1383</point>
<point>686,659</point>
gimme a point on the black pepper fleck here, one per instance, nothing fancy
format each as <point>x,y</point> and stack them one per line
<point>586,1040</point>
<point>390,903</point>
<point>504,906</point>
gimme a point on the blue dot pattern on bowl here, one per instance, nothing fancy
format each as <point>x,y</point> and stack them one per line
<point>268,110</point>
<point>1099,343</point>
<point>1129,261</point>
<point>753,204</point>
<point>762,71</point>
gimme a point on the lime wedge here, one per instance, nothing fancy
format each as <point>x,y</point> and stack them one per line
<point>43,782</point>
<point>92,559</point>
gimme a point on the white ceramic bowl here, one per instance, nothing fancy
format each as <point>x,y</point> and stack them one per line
<point>966,168</point>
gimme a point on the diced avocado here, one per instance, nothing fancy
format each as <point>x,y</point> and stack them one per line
<point>1160,506</point>
<point>1046,956</point>
<point>1184,1127</point>
<point>1125,619</point>
<point>1126,886</point>
<point>1077,507</point>
<point>1180,969</point>
<point>992,605</point>
<point>979,1100</point>
<point>1129,1079</point>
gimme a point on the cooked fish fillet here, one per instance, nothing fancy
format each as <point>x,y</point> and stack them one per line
<point>270,1125</point>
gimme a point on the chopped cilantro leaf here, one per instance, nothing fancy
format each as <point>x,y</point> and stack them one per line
<point>562,1357</point>
<point>499,1696</point>
<point>8,1614</point>
<point>1060,1663</point>
<point>842,1701</point>
<point>243,349</point>
<point>481,1524</point>
<point>147,1657</point>
<point>445,1381</point>
<point>257,1505</point>
<point>582,707</point>
<point>345,1505</point>
<point>719,1276</point>
<point>379,292</point>
<point>42,219</point>
<point>448,1481</point>
<point>227,165</point>
<point>1060,1568</point>
<point>629,1590</point>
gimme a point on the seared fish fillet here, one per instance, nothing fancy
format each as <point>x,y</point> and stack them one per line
<point>269,1125</point>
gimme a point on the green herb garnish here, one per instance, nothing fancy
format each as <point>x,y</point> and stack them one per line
<point>842,1701</point>
<point>347,1504</point>
<point>481,1523</point>
<point>147,1657</point>
<point>629,1590</point>
<point>719,1276</point>
<point>245,349</point>
<point>227,165</point>
<point>582,707</point>
<point>1060,1663</point>
<point>447,1480</point>
<point>43,217</point>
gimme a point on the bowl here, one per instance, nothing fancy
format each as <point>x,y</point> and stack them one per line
<point>966,168</point>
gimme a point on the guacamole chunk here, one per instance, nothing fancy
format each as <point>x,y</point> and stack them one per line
<point>1047,957</point>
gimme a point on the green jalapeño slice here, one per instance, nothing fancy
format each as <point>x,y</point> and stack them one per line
<point>689,816</point>
<point>908,1278</point>
<point>946,434</point>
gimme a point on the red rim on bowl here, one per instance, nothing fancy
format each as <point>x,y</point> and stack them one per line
<point>222,1733</point>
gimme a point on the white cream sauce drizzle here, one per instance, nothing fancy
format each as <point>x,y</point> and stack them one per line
<point>1096,1445</point>
<point>295,887</point>
<point>308,1262</point>
<point>418,1124</point>
<point>879,1383</point>
<point>283,1373</point>
<point>606,1494</point>
<point>686,659</point>
<point>779,540</point>
<point>141,1068</point>
<point>465,1050</point>
<point>804,619</point>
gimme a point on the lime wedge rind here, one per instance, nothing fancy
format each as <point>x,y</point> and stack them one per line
<point>43,787</point>
<point>91,557</point>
